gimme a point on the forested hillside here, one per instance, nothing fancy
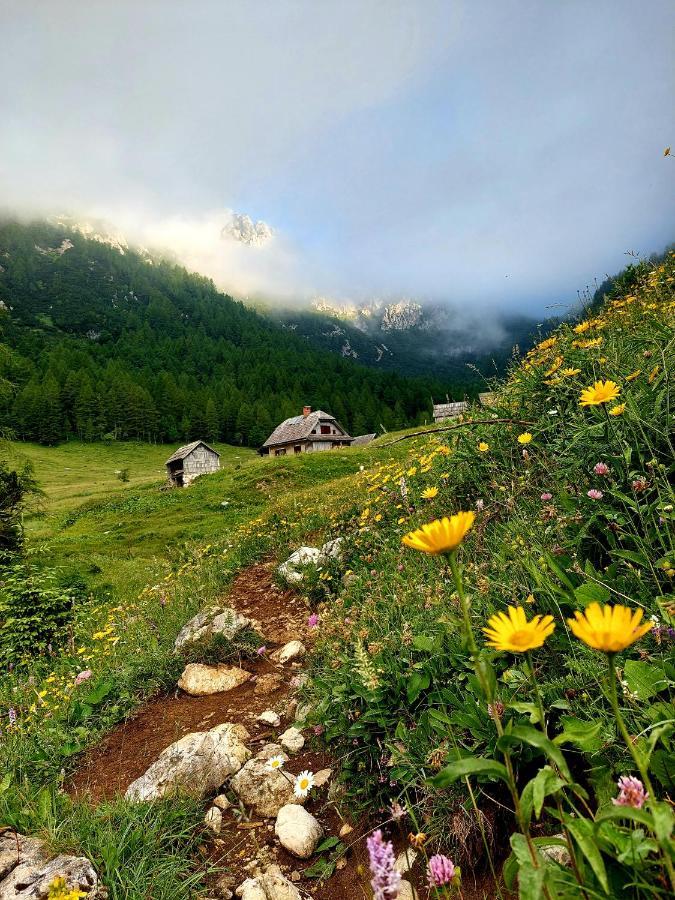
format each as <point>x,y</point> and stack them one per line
<point>105,341</point>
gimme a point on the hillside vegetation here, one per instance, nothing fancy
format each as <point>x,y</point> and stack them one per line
<point>102,340</point>
<point>491,753</point>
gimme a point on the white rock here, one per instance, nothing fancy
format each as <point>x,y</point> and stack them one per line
<point>322,777</point>
<point>223,621</point>
<point>298,831</point>
<point>291,650</point>
<point>264,791</point>
<point>345,830</point>
<point>405,860</point>
<point>251,889</point>
<point>222,802</point>
<point>406,891</point>
<point>332,548</point>
<point>556,852</point>
<point>199,680</point>
<point>269,717</point>
<point>197,764</point>
<point>277,886</point>
<point>214,820</point>
<point>26,869</point>
<point>292,740</point>
<point>305,556</point>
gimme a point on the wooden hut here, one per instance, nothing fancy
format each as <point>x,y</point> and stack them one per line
<point>309,433</point>
<point>191,461</point>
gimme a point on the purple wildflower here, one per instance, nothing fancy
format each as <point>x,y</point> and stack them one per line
<point>319,729</point>
<point>85,675</point>
<point>546,496</point>
<point>441,870</point>
<point>631,792</point>
<point>11,713</point>
<point>397,811</point>
<point>261,650</point>
<point>313,620</point>
<point>595,494</point>
<point>601,468</point>
<point>386,881</point>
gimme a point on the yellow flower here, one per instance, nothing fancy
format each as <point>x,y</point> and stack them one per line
<point>569,372</point>
<point>545,345</point>
<point>483,447</point>
<point>608,628</point>
<point>524,438</point>
<point>514,633</point>
<point>429,493</point>
<point>654,372</point>
<point>633,375</point>
<point>441,535</point>
<point>581,327</point>
<point>557,362</point>
<point>600,392</point>
<point>617,410</point>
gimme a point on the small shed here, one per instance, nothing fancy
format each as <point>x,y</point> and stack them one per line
<point>191,461</point>
<point>449,410</point>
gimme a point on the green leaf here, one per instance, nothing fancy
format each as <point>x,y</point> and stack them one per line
<point>328,844</point>
<point>644,679</point>
<point>632,556</point>
<point>530,877</point>
<point>615,813</point>
<point>470,765</point>
<point>592,593</point>
<point>422,642</point>
<point>663,820</point>
<point>582,831</point>
<point>5,783</point>
<point>98,693</point>
<point>585,735</point>
<point>530,708</point>
<point>523,734</point>
<point>662,766</point>
<point>418,682</point>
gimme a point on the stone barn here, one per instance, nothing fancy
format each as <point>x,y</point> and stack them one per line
<point>449,410</point>
<point>191,461</point>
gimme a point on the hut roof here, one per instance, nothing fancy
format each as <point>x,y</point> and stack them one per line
<point>299,428</point>
<point>182,452</point>
<point>363,439</point>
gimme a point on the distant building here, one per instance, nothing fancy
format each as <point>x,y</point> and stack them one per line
<point>487,398</point>
<point>308,433</point>
<point>449,410</point>
<point>362,439</point>
<point>191,461</point>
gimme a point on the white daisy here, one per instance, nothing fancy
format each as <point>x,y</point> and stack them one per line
<point>303,784</point>
<point>275,762</point>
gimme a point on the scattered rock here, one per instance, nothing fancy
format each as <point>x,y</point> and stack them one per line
<point>222,802</point>
<point>405,860</point>
<point>345,830</point>
<point>268,684</point>
<point>277,886</point>
<point>322,777</point>
<point>305,556</point>
<point>291,650</point>
<point>26,869</point>
<point>264,791</point>
<point>406,891</point>
<point>298,831</point>
<point>251,889</point>
<point>303,710</point>
<point>197,764</point>
<point>222,621</point>
<point>292,740</point>
<point>223,887</point>
<point>332,548</point>
<point>199,680</point>
<point>269,717</point>
<point>214,820</point>
<point>556,852</point>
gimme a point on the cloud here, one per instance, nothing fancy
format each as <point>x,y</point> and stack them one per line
<point>242,228</point>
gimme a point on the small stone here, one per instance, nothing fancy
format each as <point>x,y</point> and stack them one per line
<point>303,710</point>
<point>295,875</point>
<point>214,820</point>
<point>322,777</point>
<point>345,830</point>
<point>406,891</point>
<point>277,886</point>
<point>298,831</point>
<point>405,860</point>
<point>268,684</point>
<point>261,789</point>
<point>341,864</point>
<point>556,853</point>
<point>251,889</point>
<point>291,650</point>
<point>292,740</point>
<point>269,717</point>
<point>222,802</point>
<point>199,680</point>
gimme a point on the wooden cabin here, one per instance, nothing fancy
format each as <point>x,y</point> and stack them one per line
<point>309,433</point>
<point>449,410</point>
<point>191,461</point>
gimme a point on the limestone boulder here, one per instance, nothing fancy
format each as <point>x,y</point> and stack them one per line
<point>298,831</point>
<point>292,740</point>
<point>291,650</point>
<point>197,764</point>
<point>221,621</point>
<point>261,789</point>
<point>200,680</point>
<point>27,869</point>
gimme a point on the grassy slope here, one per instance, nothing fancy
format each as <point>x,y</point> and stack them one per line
<point>392,680</point>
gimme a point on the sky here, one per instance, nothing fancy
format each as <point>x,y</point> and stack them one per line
<point>489,154</point>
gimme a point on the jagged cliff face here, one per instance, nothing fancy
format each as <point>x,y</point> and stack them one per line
<point>375,315</point>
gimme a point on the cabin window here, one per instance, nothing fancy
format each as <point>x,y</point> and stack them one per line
<point>297,448</point>
<point>325,429</point>
<point>281,451</point>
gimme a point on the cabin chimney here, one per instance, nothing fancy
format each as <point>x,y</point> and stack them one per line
<point>306,410</point>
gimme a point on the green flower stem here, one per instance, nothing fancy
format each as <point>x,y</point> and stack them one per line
<point>473,649</point>
<point>637,758</point>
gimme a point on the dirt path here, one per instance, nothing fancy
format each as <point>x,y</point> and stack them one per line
<point>126,753</point>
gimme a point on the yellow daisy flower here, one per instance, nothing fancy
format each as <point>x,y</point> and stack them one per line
<point>524,438</point>
<point>633,375</point>
<point>608,628</point>
<point>442,535</point>
<point>600,392</point>
<point>581,327</point>
<point>617,410</point>
<point>514,633</point>
<point>568,373</point>
<point>483,447</point>
<point>429,493</point>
